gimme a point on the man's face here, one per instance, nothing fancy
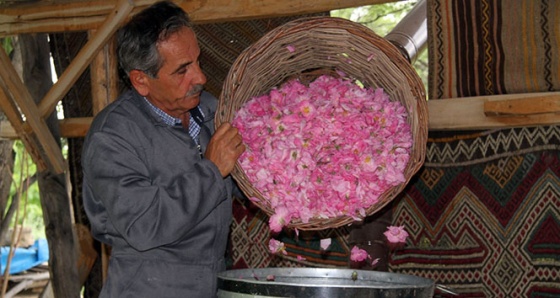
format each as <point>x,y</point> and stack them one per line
<point>176,88</point>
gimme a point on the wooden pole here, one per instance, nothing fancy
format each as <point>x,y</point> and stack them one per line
<point>85,57</point>
<point>46,149</point>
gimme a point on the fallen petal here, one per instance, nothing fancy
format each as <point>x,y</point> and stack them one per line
<point>325,243</point>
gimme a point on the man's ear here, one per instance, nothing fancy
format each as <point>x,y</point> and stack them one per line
<point>140,81</point>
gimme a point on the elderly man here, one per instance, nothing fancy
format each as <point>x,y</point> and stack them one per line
<point>156,176</point>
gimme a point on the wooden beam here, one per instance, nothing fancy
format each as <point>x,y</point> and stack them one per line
<point>75,127</point>
<point>104,87</point>
<point>45,151</point>
<point>49,16</point>
<point>470,113</point>
<point>522,105</point>
<point>17,125</point>
<point>84,57</point>
<point>104,77</point>
<point>69,128</point>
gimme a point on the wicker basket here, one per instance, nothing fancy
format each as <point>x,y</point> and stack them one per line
<point>325,45</point>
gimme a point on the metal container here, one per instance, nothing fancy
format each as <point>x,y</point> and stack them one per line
<point>320,283</point>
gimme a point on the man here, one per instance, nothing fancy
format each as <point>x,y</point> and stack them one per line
<point>156,176</point>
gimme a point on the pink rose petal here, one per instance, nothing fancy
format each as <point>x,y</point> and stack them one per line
<point>276,246</point>
<point>396,234</point>
<point>357,254</point>
<point>322,150</point>
<point>325,243</point>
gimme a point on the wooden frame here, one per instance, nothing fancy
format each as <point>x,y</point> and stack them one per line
<point>45,152</point>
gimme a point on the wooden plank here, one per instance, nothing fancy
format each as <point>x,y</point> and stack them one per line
<point>522,104</point>
<point>17,93</point>
<point>84,57</point>
<point>469,114</point>
<point>104,88</point>
<point>104,77</point>
<point>69,128</point>
<point>75,127</point>
<point>30,276</point>
<point>46,16</point>
<point>8,130</point>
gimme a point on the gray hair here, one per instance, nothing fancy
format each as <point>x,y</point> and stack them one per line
<point>137,40</point>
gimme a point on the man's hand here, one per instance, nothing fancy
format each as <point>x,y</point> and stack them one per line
<point>224,148</point>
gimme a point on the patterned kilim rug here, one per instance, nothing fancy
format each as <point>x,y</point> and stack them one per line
<point>484,215</point>
<point>488,47</point>
<point>484,212</point>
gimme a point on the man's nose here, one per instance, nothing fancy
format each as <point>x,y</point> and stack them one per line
<point>199,77</point>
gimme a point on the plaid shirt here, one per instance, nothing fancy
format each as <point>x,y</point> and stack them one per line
<point>194,128</point>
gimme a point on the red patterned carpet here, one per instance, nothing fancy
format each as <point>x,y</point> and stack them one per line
<point>490,227</point>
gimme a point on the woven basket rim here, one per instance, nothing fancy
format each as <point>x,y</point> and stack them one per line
<point>275,41</point>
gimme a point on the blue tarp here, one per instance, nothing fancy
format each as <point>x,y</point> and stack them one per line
<point>25,258</point>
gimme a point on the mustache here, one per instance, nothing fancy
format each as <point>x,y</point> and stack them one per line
<point>195,90</point>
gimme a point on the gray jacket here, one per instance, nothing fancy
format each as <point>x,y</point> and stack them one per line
<point>163,209</point>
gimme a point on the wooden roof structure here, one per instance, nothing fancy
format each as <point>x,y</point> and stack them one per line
<point>102,18</point>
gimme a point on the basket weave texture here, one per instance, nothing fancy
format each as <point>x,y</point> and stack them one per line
<point>326,45</point>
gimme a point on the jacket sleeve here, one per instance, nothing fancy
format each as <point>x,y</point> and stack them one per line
<point>146,205</point>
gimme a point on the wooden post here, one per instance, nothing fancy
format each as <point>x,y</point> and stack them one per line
<point>104,76</point>
<point>85,56</point>
<point>46,150</point>
<point>104,86</point>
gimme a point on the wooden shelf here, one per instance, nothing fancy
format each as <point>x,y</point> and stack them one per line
<point>497,111</point>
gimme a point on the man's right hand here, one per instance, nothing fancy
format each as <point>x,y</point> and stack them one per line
<point>224,148</point>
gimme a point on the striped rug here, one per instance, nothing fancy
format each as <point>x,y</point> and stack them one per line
<point>484,212</point>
